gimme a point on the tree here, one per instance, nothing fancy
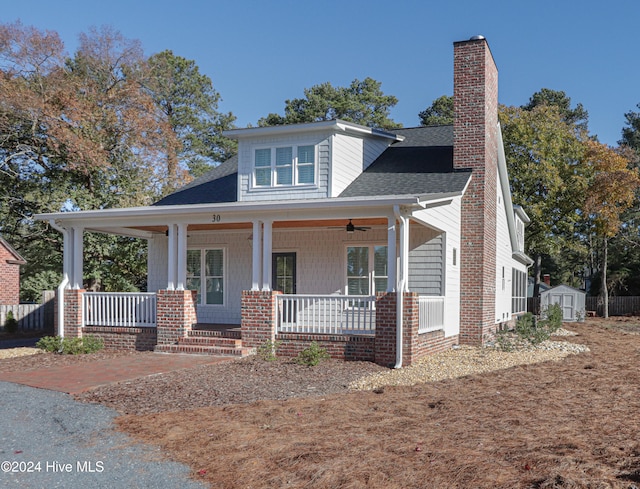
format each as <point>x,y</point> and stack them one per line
<point>439,113</point>
<point>577,117</point>
<point>188,100</point>
<point>362,102</point>
<point>76,133</point>
<point>611,192</point>
<point>544,154</point>
<point>631,133</point>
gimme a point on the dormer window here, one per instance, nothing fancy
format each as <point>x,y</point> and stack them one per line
<point>284,166</point>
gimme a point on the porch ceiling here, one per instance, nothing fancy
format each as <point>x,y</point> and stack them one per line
<point>276,225</point>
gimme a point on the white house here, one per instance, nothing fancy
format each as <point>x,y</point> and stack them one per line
<point>315,231</point>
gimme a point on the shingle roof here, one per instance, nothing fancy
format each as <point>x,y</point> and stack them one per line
<point>422,165</point>
<point>217,185</point>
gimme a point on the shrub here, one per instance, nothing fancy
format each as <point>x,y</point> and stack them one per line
<point>267,350</point>
<point>70,346</point>
<point>51,344</point>
<point>312,355</point>
<point>11,323</point>
<point>553,318</point>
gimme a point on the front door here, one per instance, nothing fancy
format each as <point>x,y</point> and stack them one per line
<point>284,280</point>
<point>284,272</point>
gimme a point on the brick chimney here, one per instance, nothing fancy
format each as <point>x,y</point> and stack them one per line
<point>475,147</point>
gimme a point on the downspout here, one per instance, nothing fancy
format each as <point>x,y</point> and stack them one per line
<point>65,279</point>
<point>399,292</point>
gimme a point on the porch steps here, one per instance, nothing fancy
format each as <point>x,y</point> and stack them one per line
<point>208,342</point>
<point>205,350</point>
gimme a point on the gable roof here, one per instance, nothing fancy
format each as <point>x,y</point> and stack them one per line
<point>421,164</point>
<point>217,185</point>
<point>17,259</point>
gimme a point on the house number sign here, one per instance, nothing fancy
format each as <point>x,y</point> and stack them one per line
<point>216,218</point>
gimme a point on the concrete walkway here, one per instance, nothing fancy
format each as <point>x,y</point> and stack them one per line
<point>80,377</point>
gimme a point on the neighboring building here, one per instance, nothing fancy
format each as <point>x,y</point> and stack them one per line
<point>10,261</point>
<point>341,219</point>
<point>571,301</point>
<point>542,286</point>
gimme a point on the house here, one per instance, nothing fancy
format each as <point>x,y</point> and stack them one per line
<point>10,261</point>
<point>380,245</point>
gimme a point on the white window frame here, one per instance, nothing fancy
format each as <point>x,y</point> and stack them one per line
<point>371,274</point>
<point>274,167</point>
<point>519,291</point>
<point>203,278</point>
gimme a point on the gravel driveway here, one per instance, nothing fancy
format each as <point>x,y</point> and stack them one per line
<point>49,440</point>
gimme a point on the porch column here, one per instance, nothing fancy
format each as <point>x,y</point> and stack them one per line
<point>181,258</point>
<point>404,252</point>
<point>257,253</point>
<point>267,247</point>
<point>391,254</point>
<point>67,257</point>
<point>172,271</point>
<point>77,280</point>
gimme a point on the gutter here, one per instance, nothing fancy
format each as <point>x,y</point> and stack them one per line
<point>65,279</point>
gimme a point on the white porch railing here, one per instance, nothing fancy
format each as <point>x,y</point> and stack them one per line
<point>326,314</point>
<point>119,309</point>
<point>431,313</point>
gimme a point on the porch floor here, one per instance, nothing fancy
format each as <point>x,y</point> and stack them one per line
<point>221,328</point>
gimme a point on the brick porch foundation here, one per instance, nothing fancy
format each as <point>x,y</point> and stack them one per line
<point>176,314</point>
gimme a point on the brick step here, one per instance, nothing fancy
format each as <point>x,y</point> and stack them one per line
<point>211,341</point>
<point>215,333</point>
<point>205,350</point>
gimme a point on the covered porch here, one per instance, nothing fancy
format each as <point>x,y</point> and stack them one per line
<point>308,275</point>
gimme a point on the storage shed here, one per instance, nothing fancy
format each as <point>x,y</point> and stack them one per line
<point>571,301</point>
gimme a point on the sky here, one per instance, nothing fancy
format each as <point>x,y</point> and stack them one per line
<point>260,53</point>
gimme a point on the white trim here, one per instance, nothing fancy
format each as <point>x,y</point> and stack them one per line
<point>236,211</point>
<point>203,248</point>
<point>503,175</point>
<point>335,125</point>
<point>253,187</point>
<point>371,276</point>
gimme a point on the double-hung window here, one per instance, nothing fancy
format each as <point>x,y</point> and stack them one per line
<point>366,270</point>
<point>284,166</point>
<point>205,274</point>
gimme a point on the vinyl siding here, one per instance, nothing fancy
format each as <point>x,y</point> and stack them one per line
<point>348,153</point>
<point>446,219</point>
<point>504,260</point>
<point>245,169</point>
<point>426,263</point>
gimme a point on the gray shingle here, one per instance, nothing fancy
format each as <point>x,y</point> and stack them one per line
<point>422,164</point>
<point>217,185</point>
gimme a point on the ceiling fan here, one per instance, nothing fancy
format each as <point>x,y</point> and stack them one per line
<point>350,227</point>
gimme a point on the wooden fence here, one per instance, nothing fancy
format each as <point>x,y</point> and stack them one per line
<point>618,306</point>
<point>32,317</point>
